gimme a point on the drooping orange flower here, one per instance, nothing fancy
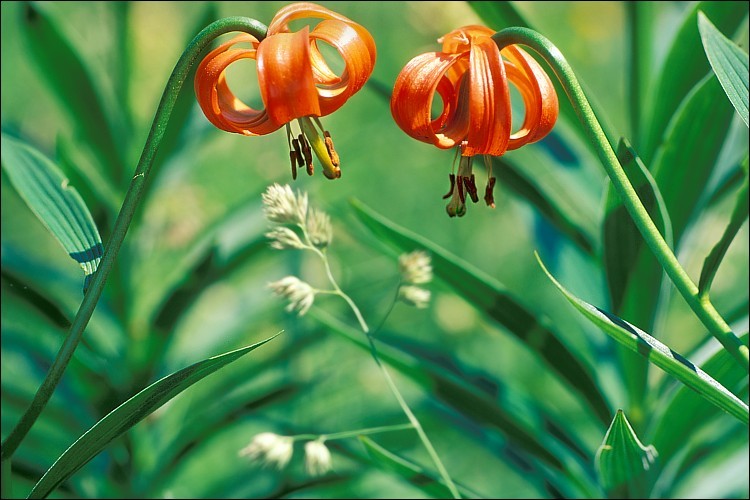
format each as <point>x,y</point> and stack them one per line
<point>471,77</point>
<point>294,79</point>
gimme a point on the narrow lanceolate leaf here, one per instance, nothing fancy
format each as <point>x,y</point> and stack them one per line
<point>688,411</point>
<point>712,262</point>
<point>729,62</point>
<point>58,205</point>
<point>659,354</point>
<point>628,267</point>
<point>125,416</point>
<point>623,462</point>
<point>414,474</point>
<point>682,69</point>
<point>682,172</point>
<point>488,295</point>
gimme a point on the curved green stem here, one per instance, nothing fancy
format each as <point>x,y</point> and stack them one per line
<point>120,229</point>
<point>701,305</point>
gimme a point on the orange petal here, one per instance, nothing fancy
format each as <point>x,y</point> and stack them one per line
<point>458,41</point>
<point>540,98</point>
<point>334,90</point>
<point>411,100</point>
<point>304,10</point>
<point>285,76</point>
<point>217,101</point>
<point>489,100</point>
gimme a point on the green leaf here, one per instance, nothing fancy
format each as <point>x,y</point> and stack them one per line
<point>60,208</point>
<point>513,178</point>
<point>623,462</point>
<point>681,172</point>
<point>6,490</point>
<point>504,415</point>
<point>629,267</point>
<point>714,258</point>
<point>729,62</point>
<point>414,474</point>
<point>125,416</point>
<point>633,274</point>
<point>657,353</point>
<point>499,15</point>
<point>682,69</point>
<point>687,411</point>
<point>500,304</point>
<point>69,80</point>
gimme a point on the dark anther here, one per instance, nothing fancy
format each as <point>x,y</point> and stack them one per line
<point>293,158</point>
<point>471,188</point>
<point>453,185</point>
<point>307,152</point>
<point>488,196</point>
<point>461,189</point>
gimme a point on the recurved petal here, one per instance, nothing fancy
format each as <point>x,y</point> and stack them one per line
<point>413,93</point>
<point>458,40</point>
<point>305,10</point>
<point>489,101</point>
<point>539,96</point>
<point>335,89</point>
<point>285,76</point>
<point>219,104</point>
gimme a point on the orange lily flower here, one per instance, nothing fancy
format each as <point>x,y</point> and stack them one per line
<point>294,79</point>
<point>471,77</point>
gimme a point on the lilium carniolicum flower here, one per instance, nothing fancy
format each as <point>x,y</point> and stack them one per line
<point>294,79</point>
<point>471,77</point>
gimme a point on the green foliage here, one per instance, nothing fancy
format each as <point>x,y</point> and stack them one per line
<point>514,388</point>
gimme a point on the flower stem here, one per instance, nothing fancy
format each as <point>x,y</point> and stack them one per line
<point>700,305</point>
<point>391,384</point>
<point>120,229</point>
<point>348,434</point>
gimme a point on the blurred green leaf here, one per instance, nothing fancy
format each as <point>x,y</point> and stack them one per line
<point>623,462</point>
<point>58,205</point>
<point>71,84</point>
<point>687,411</point>
<point>641,17</point>
<point>623,243</point>
<point>488,295</point>
<point>125,416</point>
<point>6,490</point>
<point>499,15</point>
<point>682,70</point>
<point>659,354</point>
<point>414,474</point>
<point>714,258</point>
<point>633,274</point>
<point>682,173</point>
<point>466,398</point>
<point>729,62</point>
<point>514,179</point>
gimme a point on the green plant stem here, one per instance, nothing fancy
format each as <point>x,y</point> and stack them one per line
<point>391,384</point>
<point>120,229</point>
<point>701,306</point>
<point>348,434</point>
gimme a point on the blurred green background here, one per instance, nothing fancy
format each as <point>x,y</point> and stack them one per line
<point>206,194</point>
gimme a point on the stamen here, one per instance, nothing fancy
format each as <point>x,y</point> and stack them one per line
<point>453,185</point>
<point>461,189</point>
<point>471,188</point>
<point>488,196</point>
<point>331,151</point>
<point>293,158</point>
<point>298,153</point>
<point>308,154</point>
